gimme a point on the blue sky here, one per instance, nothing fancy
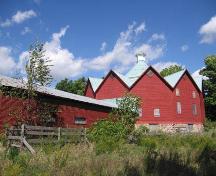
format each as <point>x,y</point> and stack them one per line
<point>87,38</point>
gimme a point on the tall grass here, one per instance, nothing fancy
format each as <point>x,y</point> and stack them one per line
<point>153,155</point>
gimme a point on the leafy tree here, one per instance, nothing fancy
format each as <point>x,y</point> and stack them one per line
<point>76,86</point>
<point>210,86</point>
<point>127,111</point>
<point>170,70</point>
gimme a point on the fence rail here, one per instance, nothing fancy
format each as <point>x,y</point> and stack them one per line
<point>26,135</point>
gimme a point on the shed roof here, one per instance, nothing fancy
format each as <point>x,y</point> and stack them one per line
<point>11,82</point>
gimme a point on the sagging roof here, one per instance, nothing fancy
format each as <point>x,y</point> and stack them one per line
<point>16,83</point>
<point>138,69</point>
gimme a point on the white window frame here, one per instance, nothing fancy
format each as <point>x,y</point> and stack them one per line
<point>194,109</point>
<point>178,107</point>
<point>156,112</point>
<point>177,92</point>
<point>193,94</point>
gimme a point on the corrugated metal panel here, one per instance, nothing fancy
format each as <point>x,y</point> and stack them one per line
<point>198,81</point>
<point>173,78</point>
<point>137,70</point>
<point>11,82</point>
<point>125,79</point>
<point>95,82</point>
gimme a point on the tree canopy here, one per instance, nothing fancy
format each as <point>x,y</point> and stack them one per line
<point>72,86</point>
<point>209,86</point>
<point>170,70</point>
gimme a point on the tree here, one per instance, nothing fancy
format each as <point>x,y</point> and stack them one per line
<point>38,74</point>
<point>209,86</point>
<point>127,111</point>
<point>170,70</point>
<point>76,86</point>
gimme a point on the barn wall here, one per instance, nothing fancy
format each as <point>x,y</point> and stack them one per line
<point>89,92</point>
<point>154,94</point>
<point>186,88</point>
<point>112,87</point>
<point>67,111</point>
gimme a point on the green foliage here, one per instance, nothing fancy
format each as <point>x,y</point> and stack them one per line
<point>127,111</point>
<point>209,86</point>
<point>107,135</point>
<point>155,155</point>
<point>170,70</point>
<point>72,86</point>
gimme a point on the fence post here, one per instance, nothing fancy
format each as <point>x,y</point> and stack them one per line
<point>59,133</point>
<point>22,133</point>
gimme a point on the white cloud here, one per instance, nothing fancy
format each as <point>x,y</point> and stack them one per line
<point>103,46</point>
<point>8,64</point>
<point>65,65</point>
<point>184,48</point>
<point>123,53</point>
<point>162,65</point>
<point>208,31</point>
<point>25,30</point>
<point>141,28</point>
<point>156,37</point>
<point>63,61</point>
<point>18,18</point>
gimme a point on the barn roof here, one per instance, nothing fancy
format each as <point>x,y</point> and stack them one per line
<point>95,82</point>
<point>11,82</point>
<point>138,69</point>
<point>174,78</point>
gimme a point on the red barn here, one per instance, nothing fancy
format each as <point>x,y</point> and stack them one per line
<point>172,103</point>
<point>73,110</point>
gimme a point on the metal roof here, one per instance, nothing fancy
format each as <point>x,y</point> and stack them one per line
<point>137,70</point>
<point>198,81</point>
<point>174,78</point>
<point>125,79</point>
<point>11,82</point>
<point>95,82</point>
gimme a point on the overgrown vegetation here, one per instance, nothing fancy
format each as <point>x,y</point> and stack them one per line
<point>34,109</point>
<point>153,155</point>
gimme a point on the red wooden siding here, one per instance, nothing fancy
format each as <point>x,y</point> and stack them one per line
<point>67,111</point>
<point>186,87</point>
<point>111,87</point>
<point>154,94</point>
<point>89,91</point>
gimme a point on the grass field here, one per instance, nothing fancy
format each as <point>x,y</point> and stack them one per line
<point>152,155</point>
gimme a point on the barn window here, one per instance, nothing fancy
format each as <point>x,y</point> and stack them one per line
<point>194,94</point>
<point>80,120</point>
<point>140,112</point>
<point>194,109</point>
<point>177,92</point>
<point>178,105</point>
<point>150,73</point>
<point>157,112</point>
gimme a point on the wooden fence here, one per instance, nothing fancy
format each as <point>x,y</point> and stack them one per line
<point>25,135</point>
